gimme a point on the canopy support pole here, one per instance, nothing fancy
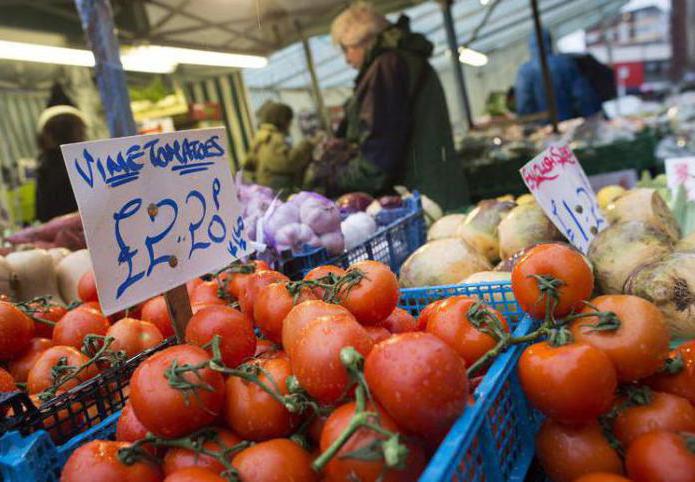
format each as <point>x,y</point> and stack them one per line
<point>99,28</point>
<point>547,80</point>
<point>315,87</point>
<point>457,67</point>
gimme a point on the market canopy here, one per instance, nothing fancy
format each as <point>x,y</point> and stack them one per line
<point>485,28</point>
<point>242,26</point>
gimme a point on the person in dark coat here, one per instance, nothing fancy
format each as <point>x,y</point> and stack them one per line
<point>574,94</point>
<point>396,121</point>
<point>59,124</point>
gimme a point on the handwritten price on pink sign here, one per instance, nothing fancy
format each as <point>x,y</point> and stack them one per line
<point>561,188</point>
<point>547,167</point>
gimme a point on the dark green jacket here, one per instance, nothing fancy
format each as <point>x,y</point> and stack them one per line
<point>273,163</point>
<point>399,119</point>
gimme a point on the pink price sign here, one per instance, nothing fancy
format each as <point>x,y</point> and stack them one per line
<point>557,181</point>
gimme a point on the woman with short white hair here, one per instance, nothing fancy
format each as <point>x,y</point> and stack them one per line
<point>397,120</point>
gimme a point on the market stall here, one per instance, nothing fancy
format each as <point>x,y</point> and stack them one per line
<point>188,325</point>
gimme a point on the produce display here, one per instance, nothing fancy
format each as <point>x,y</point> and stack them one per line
<point>327,378</point>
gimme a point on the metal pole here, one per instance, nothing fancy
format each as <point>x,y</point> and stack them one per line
<point>608,40</point>
<point>457,67</point>
<point>100,31</point>
<point>315,87</point>
<point>547,80</point>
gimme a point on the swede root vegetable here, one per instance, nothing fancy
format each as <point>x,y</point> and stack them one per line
<point>686,244</point>
<point>57,254</point>
<point>442,262</point>
<point>524,226</point>
<point>492,277</point>
<point>7,280</point>
<point>480,227</point>
<point>445,227</point>
<point>69,271</point>
<point>670,285</point>
<point>644,205</point>
<point>619,249</point>
<point>35,274</point>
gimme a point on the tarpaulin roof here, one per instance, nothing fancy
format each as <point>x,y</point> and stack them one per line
<point>509,22</point>
<point>241,26</point>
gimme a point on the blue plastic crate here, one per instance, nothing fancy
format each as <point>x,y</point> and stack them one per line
<point>493,440</point>
<point>391,244</point>
<point>37,458</point>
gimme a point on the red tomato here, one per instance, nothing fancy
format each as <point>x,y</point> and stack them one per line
<point>639,346</point>
<point>377,333</point>
<point>661,456</point>
<point>90,305</point>
<point>77,324</point>
<point>568,452</point>
<point>16,331</point>
<point>683,382</point>
<point>194,474</point>
<point>191,285</point>
<point>300,315</point>
<point>397,370</point>
<point>400,321</point>
<point>40,376</point>
<point>177,458</point>
<point>167,411</point>
<point>155,311</point>
<point>264,346</point>
<point>342,468</point>
<point>237,339</point>
<point>375,296</point>
<point>601,477</point>
<point>273,303</point>
<point>264,462</point>
<point>236,283</point>
<point>316,356</point>
<point>571,383</point>
<point>450,323</point>
<point>663,412</point>
<point>7,382</point>
<point>561,262</point>
<point>129,428</point>
<point>257,281</point>
<point>20,366</point>
<point>134,336</point>
<point>321,272</point>
<point>87,287</point>
<point>251,412</point>
<point>52,313</point>
<point>98,461</point>
<point>426,313</point>
<point>208,292</point>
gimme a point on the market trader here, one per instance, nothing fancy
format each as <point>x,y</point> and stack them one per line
<point>396,120</point>
<point>58,124</point>
<point>574,94</point>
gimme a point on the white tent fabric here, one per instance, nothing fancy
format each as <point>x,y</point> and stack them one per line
<point>509,24</point>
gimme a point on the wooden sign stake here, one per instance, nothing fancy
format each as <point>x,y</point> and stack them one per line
<point>179,307</point>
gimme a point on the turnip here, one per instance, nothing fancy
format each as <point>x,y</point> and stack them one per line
<point>492,277</point>
<point>7,279</point>
<point>445,227</point>
<point>686,244</point>
<point>670,285</point>
<point>442,262</point>
<point>619,249</point>
<point>644,205</point>
<point>524,226</point>
<point>35,274</point>
<point>69,271</point>
<point>480,229</point>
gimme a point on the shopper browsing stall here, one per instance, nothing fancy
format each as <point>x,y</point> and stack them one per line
<point>397,119</point>
<point>270,160</point>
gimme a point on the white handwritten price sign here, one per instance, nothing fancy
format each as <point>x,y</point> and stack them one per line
<point>561,188</point>
<point>158,210</point>
<point>680,171</point>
